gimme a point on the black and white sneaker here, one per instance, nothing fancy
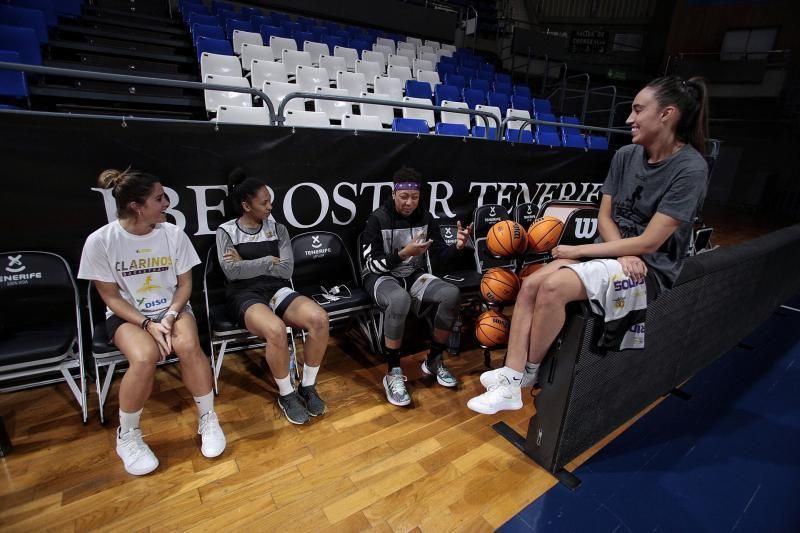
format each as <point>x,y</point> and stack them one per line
<point>294,408</point>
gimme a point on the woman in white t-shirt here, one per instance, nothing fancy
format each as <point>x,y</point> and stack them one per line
<point>141,266</point>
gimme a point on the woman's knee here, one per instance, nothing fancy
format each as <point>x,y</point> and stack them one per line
<point>550,291</point>
<point>143,359</point>
<point>399,304</point>
<point>318,320</point>
<point>186,345</point>
<point>274,332</point>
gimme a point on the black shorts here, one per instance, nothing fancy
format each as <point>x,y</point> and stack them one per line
<point>114,322</point>
<point>278,300</point>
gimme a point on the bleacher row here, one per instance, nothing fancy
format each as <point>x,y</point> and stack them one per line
<point>279,56</point>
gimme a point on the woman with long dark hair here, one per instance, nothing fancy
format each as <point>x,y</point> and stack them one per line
<point>650,198</point>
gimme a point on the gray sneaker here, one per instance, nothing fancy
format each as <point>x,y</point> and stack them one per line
<point>395,386</point>
<point>443,374</point>
<point>314,404</point>
<point>294,408</point>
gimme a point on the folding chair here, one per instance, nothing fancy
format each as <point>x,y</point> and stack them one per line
<point>324,272</point>
<point>35,345</point>
<point>224,334</point>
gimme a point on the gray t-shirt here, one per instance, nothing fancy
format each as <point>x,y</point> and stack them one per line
<point>674,187</point>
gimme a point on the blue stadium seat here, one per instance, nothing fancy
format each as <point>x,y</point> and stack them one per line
<point>68,8</point>
<point>501,87</point>
<point>548,117</point>
<point>470,62</point>
<point>502,78</point>
<point>25,18</point>
<point>474,97</point>
<point>486,76</point>
<point>499,100</point>
<point>486,68</point>
<point>236,24</point>
<point>455,80</point>
<point>359,45</point>
<point>573,141</point>
<point>522,90</point>
<point>542,105</point>
<point>301,37</point>
<point>446,92</point>
<point>514,136</point>
<point>12,82</point>
<point>596,142</point>
<point>410,125</point>
<point>480,131</point>
<point>566,130</point>
<point>260,20</point>
<point>467,72</point>
<point>199,18</point>
<point>547,138</point>
<point>481,85</point>
<point>268,31</point>
<point>217,6</point>
<point>418,89</point>
<point>333,41</point>
<point>45,6</point>
<point>306,22</point>
<point>23,41</point>
<point>444,60</point>
<point>320,33</point>
<point>444,69</point>
<point>278,18</point>
<point>213,46</point>
<point>207,30</point>
<point>522,102</point>
<point>290,27</point>
<point>199,9</point>
<point>459,130</point>
<point>248,12</point>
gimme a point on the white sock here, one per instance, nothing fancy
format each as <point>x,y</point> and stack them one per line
<point>284,385</point>
<point>514,378</point>
<point>128,421</point>
<point>532,368</point>
<point>309,375</point>
<point>205,403</point>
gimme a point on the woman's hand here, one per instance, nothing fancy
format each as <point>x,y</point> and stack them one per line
<point>564,251</point>
<point>231,255</point>
<point>416,247</point>
<point>633,267</point>
<point>163,337</point>
<point>462,237</point>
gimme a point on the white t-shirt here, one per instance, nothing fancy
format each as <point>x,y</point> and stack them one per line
<point>145,267</point>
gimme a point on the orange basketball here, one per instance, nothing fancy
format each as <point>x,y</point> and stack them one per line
<point>491,328</point>
<point>499,285</point>
<point>530,269</point>
<point>506,239</point>
<point>544,233</point>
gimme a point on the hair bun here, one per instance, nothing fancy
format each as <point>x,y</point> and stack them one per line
<point>109,179</point>
<point>236,177</point>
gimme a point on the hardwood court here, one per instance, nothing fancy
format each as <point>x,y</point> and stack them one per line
<point>364,465</point>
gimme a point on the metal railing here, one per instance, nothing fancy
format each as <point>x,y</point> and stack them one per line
<point>533,121</point>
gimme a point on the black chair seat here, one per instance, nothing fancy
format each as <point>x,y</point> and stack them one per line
<point>221,322</point>
<point>101,344</point>
<point>358,298</point>
<point>466,280</point>
<point>40,342</point>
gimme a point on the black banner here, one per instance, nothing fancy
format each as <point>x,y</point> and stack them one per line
<point>321,179</point>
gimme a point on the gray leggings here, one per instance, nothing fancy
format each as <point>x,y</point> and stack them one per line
<point>395,302</point>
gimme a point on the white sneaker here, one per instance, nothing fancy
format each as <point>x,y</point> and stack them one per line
<point>501,397</point>
<point>490,378</point>
<point>137,456</point>
<point>213,439</point>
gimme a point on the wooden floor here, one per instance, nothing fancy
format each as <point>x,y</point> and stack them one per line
<point>365,465</point>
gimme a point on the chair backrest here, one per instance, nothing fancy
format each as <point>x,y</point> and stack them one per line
<point>268,31</point>
<point>276,91</point>
<point>525,213</point>
<point>334,109</point>
<point>455,118</point>
<point>401,73</point>
<point>398,61</point>
<point>430,57</point>
<point>418,89</point>
<point>455,79</point>
<point>214,99</point>
<point>23,17</point>
<point>547,138</point>
<point>376,57</point>
<point>408,54</point>
<point>321,258</point>
<point>354,83</point>
<point>362,122</point>
<point>12,83</point>
<point>383,112</point>
<point>542,105</point>
<point>220,64</point>
<point>316,50</point>
<point>254,51</point>
<point>24,271</point>
<point>232,25</point>
<point>522,90</point>
<point>446,92</point>
<point>457,130</point>
<point>370,70</point>
<point>477,83</point>
<point>402,45</point>
<point>429,76</point>
<point>544,128</point>
<point>481,121</point>
<point>390,86</point>
<point>333,64</point>
<point>241,37</point>
<point>474,97</point>
<point>486,216</point>
<point>262,71</point>
<point>387,45</point>
<point>516,136</point>
<point>581,226</point>
<point>597,142</point>
<point>282,43</point>
<point>499,100</point>
<point>309,78</point>
<point>307,119</point>
<point>47,7</point>
<point>517,124</point>
<point>421,64</point>
<point>214,46</point>
<point>410,125</point>
<point>350,56</point>
<point>423,114</point>
<point>256,115</point>
<point>292,59</point>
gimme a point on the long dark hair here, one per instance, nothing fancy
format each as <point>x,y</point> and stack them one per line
<point>127,186</point>
<point>241,189</point>
<point>691,98</point>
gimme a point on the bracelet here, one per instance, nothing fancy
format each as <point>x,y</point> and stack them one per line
<point>146,322</point>
<point>172,313</point>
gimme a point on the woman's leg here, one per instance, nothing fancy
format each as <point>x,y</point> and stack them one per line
<point>262,322</point>
<point>305,313</point>
<point>142,354</point>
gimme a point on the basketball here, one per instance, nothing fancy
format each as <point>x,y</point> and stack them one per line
<point>499,285</point>
<point>491,329</point>
<point>544,234</point>
<point>506,239</point>
<point>530,269</point>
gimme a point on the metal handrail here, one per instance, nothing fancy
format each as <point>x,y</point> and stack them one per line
<point>528,121</point>
<point>162,82</point>
<point>380,101</point>
<point>612,108</point>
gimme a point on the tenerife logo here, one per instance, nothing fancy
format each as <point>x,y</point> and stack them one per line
<point>448,233</point>
<point>317,247</point>
<point>148,285</point>
<point>492,212</point>
<point>15,264</point>
<point>585,228</point>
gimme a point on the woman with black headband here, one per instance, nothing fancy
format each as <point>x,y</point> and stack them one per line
<point>393,251</point>
<point>650,198</point>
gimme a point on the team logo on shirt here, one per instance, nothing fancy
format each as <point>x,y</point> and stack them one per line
<point>148,285</point>
<point>143,266</point>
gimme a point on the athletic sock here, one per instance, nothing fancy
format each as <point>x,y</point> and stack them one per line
<point>309,375</point>
<point>436,351</point>
<point>514,378</point>
<point>284,386</point>
<point>128,421</point>
<point>531,368</point>
<point>392,358</point>
<point>204,403</point>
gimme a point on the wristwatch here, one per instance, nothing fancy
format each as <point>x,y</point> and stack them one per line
<point>173,313</point>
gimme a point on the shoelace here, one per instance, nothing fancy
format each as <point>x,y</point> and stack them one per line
<point>134,444</point>
<point>396,384</point>
<point>206,425</point>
